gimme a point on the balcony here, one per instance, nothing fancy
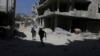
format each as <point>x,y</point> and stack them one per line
<point>78,13</point>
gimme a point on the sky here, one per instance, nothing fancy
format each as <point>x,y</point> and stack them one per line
<point>24,6</point>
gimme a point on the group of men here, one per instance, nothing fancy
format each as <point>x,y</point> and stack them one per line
<point>41,33</point>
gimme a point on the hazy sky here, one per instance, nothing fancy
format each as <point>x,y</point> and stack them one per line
<point>24,6</point>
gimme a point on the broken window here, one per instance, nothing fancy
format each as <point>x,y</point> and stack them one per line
<point>40,12</point>
<point>63,7</point>
<point>53,7</point>
<point>81,5</point>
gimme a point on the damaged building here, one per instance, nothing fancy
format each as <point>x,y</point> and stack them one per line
<point>69,14</point>
<point>7,14</point>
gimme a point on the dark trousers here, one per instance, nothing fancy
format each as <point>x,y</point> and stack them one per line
<point>41,38</point>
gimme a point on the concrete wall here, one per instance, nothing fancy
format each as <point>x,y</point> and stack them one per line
<point>93,9</point>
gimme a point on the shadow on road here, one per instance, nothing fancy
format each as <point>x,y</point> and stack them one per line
<point>88,47</point>
<point>19,47</point>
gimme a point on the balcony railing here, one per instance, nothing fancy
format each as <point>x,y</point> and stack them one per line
<point>79,13</point>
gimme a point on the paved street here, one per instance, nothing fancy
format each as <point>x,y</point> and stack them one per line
<point>55,45</point>
<point>52,37</point>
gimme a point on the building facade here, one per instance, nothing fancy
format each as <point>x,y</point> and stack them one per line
<point>7,14</point>
<point>70,14</point>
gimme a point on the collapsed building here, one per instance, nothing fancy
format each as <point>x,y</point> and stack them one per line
<point>7,13</point>
<point>69,14</point>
